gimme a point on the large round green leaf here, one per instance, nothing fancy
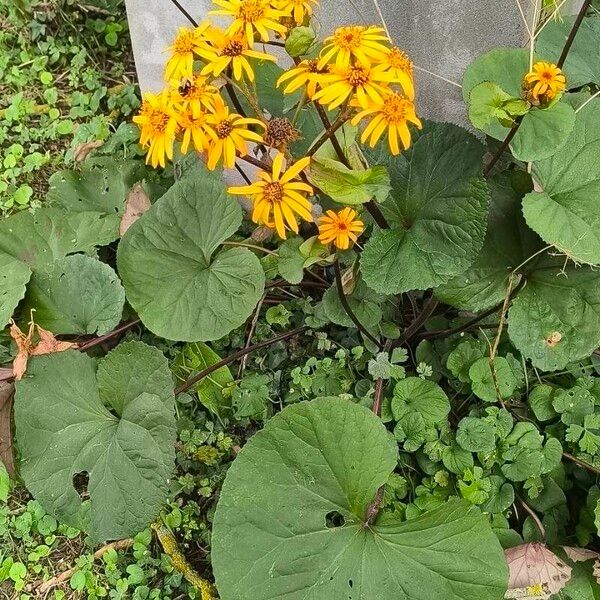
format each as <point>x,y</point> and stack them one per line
<point>14,276</point>
<point>174,278</point>
<point>555,319</point>
<point>508,243</point>
<point>291,520</point>
<point>79,294</point>
<point>437,212</point>
<point>566,213</point>
<point>120,432</point>
<point>543,131</point>
<point>583,61</point>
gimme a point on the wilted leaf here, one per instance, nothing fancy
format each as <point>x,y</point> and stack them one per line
<point>119,431</point>
<point>534,568</point>
<point>291,517</point>
<point>7,391</point>
<point>136,205</point>
<point>580,554</point>
<point>82,151</point>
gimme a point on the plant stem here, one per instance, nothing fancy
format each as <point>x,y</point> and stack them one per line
<point>188,383</point>
<point>534,516</point>
<point>574,30</point>
<point>428,308</point>
<point>185,13</point>
<point>236,101</point>
<point>581,463</point>
<point>348,308</point>
<point>99,340</point>
<point>503,147</point>
<point>256,162</point>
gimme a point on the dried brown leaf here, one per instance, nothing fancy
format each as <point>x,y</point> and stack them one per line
<point>580,554</point>
<point>81,152</point>
<point>136,205</point>
<point>7,391</point>
<point>48,344</point>
<point>535,572</point>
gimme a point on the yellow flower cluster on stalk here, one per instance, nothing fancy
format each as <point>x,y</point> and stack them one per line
<point>544,82</point>
<point>211,69</point>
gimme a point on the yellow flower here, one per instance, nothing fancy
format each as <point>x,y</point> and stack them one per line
<point>297,9</point>
<point>230,50</point>
<point>195,130</point>
<point>340,228</point>
<point>400,65</point>
<point>250,17</point>
<point>354,42</point>
<point>280,193</point>
<point>305,73</point>
<point>363,81</point>
<point>228,133</point>
<point>545,81</point>
<point>537,589</point>
<point>158,126</point>
<point>394,112</point>
<point>194,94</point>
<point>183,49</point>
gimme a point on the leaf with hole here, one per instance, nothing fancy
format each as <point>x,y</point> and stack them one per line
<point>176,276</point>
<point>437,211</point>
<point>291,518</point>
<point>118,428</point>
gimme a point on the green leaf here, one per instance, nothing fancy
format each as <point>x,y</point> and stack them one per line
<point>502,496</point>
<point>555,319</point>
<point>349,186</point>
<point>291,260</point>
<point>573,404</point>
<point>437,212</point>
<point>482,380</point>
<point>414,394</point>
<point>299,41</point>
<point>251,397</point>
<point>174,278</point>
<point>297,529</point>
<point>463,356</point>
<point>457,460</point>
<point>14,276</point>
<point>194,358</point>
<point>79,294</point>
<point>119,430</point>
<point>486,102</point>
<point>540,401</point>
<point>566,213</point>
<point>101,188</point>
<point>41,238</point>
<point>475,435</point>
<point>508,243</point>
<point>583,61</point>
<point>542,131</point>
<point>364,302</point>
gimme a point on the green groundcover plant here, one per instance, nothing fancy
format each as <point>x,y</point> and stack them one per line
<point>374,359</point>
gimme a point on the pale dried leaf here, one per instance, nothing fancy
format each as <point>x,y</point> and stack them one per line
<point>535,571</point>
<point>48,344</point>
<point>81,152</point>
<point>597,570</point>
<point>7,391</point>
<point>136,205</point>
<point>24,346</point>
<point>262,234</point>
<point>580,554</point>
<point>348,281</point>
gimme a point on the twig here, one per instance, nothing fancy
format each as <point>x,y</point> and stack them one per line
<point>348,308</point>
<point>503,147</point>
<point>329,134</point>
<point>46,586</point>
<point>574,30</point>
<point>185,13</point>
<point>250,334</point>
<point>99,340</point>
<point>236,101</point>
<point>581,463</point>
<point>188,383</point>
<point>414,327</point>
<point>534,516</point>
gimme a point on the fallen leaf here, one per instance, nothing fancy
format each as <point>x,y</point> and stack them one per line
<point>136,205</point>
<point>81,152</point>
<point>580,554</point>
<point>535,572</point>
<point>24,347</point>
<point>48,344</point>
<point>7,391</point>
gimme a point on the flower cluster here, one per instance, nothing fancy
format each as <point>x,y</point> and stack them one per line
<point>210,76</point>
